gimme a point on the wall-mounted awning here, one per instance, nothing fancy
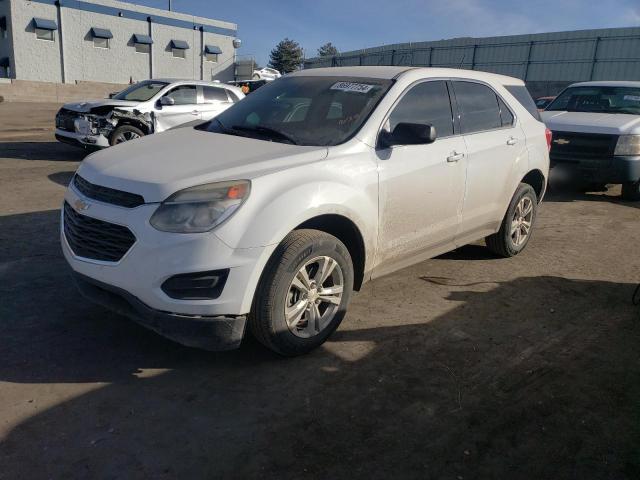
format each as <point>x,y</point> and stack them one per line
<point>213,49</point>
<point>44,24</point>
<point>4,62</point>
<point>144,39</point>
<point>179,44</point>
<point>101,33</point>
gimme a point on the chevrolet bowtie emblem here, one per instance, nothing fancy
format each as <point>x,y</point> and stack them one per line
<point>561,141</point>
<point>81,205</point>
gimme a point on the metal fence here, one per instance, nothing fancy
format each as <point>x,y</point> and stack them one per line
<point>561,57</point>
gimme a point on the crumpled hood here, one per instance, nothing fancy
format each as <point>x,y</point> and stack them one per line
<point>159,165</point>
<point>585,122</point>
<point>85,107</point>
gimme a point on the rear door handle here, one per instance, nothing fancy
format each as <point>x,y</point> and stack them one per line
<point>512,141</point>
<point>195,112</point>
<point>455,157</point>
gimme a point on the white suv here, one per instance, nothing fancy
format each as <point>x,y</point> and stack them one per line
<point>147,107</point>
<point>273,213</point>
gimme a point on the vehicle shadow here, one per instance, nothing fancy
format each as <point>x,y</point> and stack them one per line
<point>568,191</point>
<point>497,386</point>
<point>49,151</point>
<point>61,178</point>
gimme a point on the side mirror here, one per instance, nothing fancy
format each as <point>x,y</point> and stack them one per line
<point>408,134</point>
<point>113,94</point>
<point>167,101</point>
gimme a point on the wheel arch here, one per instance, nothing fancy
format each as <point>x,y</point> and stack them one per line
<point>345,230</point>
<point>537,180</point>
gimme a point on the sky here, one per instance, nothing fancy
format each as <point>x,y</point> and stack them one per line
<point>355,24</point>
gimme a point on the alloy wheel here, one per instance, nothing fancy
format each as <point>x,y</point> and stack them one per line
<point>313,297</point>
<point>521,222</point>
<point>126,136</point>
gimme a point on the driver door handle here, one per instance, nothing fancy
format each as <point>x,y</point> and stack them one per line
<point>455,157</point>
<point>512,141</point>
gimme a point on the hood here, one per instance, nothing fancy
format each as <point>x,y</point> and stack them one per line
<point>85,107</point>
<point>585,122</point>
<point>159,165</point>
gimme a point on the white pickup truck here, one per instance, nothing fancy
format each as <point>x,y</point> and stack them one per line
<point>596,133</point>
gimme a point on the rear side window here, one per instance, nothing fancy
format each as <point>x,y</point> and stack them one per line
<point>505,114</point>
<point>478,106</point>
<point>215,94</point>
<point>521,94</point>
<point>427,102</point>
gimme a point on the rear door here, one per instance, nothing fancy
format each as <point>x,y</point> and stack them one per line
<point>185,108</point>
<point>421,186</point>
<point>214,101</point>
<point>495,142</point>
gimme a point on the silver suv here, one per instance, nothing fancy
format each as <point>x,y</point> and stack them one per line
<point>151,106</point>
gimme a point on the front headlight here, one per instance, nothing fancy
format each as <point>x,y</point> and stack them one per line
<point>200,209</point>
<point>628,145</point>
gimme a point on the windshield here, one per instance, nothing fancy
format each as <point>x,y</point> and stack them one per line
<point>598,100</point>
<point>141,92</point>
<point>319,111</point>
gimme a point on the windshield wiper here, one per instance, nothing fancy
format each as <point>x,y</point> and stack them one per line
<point>265,131</point>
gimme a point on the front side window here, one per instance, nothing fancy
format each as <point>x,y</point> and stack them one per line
<point>100,42</point>
<point>141,92</point>
<point>479,107</point>
<point>184,95</point>
<point>425,103</point>
<point>598,99</point>
<point>44,34</point>
<point>179,52</point>
<point>304,110</point>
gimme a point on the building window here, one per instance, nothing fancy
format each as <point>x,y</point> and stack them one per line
<point>101,42</point>
<point>179,48</point>
<point>42,34</point>
<point>143,48</point>
<point>101,37</point>
<point>211,57</point>
<point>211,53</point>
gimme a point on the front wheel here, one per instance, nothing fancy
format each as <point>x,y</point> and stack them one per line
<point>256,77</point>
<point>631,191</point>
<point>125,133</point>
<point>303,293</point>
<point>515,230</point>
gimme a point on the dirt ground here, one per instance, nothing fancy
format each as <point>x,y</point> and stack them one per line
<point>461,367</point>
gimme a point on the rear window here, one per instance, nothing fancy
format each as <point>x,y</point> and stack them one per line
<point>521,94</point>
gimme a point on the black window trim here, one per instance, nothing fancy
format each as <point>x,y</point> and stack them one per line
<point>456,131</point>
<point>502,127</point>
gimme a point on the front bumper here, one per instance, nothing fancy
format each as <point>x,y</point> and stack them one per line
<point>619,169</point>
<point>157,256</point>
<point>208,333</point>
<point>81,140</point>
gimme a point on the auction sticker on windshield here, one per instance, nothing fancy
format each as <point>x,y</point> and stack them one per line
<point>352,87</point>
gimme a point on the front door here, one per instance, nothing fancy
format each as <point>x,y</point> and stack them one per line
<point>421,186</point>
<point>185,108</point>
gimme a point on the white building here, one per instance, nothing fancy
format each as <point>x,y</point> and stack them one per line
<point>67,41</point>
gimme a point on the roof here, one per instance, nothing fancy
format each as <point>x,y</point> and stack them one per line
<point>606,84</point>
<point>393,72</point>
<point>190,82</point>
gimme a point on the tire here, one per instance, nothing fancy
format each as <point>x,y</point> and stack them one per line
<point>256,77</point>
<point>631,191</point>
<point>505,242</point>
<point>280,289</point>
<point>125,133</point>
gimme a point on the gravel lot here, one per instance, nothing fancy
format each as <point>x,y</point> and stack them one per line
<point>461,367</point>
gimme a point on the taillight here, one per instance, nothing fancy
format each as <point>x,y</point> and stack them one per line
<point>549,134</point>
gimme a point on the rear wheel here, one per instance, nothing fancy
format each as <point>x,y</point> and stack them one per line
<point>515,231</point>
<point>125,133</point>
<point>631,191</point>
<point>303,293</point>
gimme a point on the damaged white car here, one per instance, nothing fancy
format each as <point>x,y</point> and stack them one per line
<point>151,106</point>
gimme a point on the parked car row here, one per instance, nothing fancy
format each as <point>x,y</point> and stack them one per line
<point>267,213</point>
